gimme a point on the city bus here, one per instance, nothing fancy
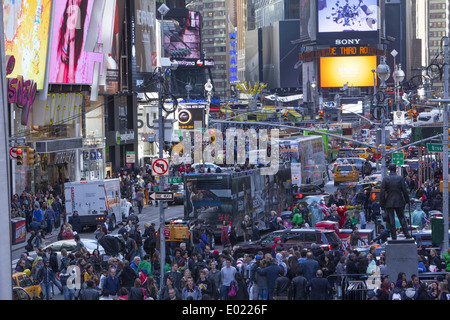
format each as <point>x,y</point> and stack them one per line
<point>217,198</point>
<point>309,151</point>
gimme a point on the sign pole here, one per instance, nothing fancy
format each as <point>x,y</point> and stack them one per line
<point>445,142</point>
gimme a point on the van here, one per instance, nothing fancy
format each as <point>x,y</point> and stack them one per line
<point>95,200</point>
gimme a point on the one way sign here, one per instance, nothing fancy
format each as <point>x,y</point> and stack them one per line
<point>162,196</point>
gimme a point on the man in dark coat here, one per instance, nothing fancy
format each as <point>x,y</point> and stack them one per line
<point>393,198</point>
<point>319,287</point>
<point>310,266</point>
<point>298,286</point>
<point>75,222</point>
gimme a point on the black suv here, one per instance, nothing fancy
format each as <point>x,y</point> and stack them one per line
<point>290,238</point>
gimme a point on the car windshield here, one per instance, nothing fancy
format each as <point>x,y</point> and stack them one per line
<point>270,238</point>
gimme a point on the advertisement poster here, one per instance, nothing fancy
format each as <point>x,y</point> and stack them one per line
<point>145,18</point>
<point>143,43</point>
<point>70,62</point>
<point>26,25</point>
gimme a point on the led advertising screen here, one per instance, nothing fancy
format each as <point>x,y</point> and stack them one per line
<point>355,71</point>
<point>182,37</point>
<point>71,62</point>
<point>347,22</point>
<point>26,25</point>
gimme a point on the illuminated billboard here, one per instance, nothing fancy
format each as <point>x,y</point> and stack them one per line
<point>182,37</point>
<point>71,61</point>
<point>26,29</point>
<point>347,22</point>
<point>354,71</point>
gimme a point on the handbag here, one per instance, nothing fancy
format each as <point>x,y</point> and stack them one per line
<point>232,292</point>
<point>143,293</point>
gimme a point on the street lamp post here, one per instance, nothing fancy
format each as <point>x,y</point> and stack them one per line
<point>383,72</point>
<point>163,10</point>
<point>398,76</point>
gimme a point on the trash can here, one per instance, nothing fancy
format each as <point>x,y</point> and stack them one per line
<point>437,230</point>
<point>18,230</point>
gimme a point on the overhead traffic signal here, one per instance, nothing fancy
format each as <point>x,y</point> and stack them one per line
<point>19,158</point>
<point>31,157</point>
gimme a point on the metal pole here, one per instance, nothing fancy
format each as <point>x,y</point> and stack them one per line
<point>5,200</point>
<point>383,143</point>
<point>445,142</point>
<point>162,217</point>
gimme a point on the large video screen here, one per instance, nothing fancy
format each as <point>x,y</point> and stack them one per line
<point>26,28</point>
<point>183,33</point>
<point>339,20</point>
<point>355,71</point>
<point>71,61</point>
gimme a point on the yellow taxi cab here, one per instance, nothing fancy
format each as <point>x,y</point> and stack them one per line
<point>34,290</point>
<point>345,173</point>
<point>362,152</point>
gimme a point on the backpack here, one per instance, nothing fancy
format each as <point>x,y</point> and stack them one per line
<point>396,296</point>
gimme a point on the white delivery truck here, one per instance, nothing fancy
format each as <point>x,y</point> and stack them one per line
<point>95,200</point>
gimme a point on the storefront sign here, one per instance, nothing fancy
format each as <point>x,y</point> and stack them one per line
<point>65,157</point>
<point>20,92</point>
<point>58,109</point>
<point>125,137</point>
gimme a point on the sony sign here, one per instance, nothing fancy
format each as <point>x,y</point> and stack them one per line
<point>344,42</point>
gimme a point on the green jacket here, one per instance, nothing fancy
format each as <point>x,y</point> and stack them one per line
<point>447,261</point>
<point>146,267</point>
<point>297,219</point>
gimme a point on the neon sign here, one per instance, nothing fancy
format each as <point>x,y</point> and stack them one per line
<point>20,92</point>
<point>233,58</point>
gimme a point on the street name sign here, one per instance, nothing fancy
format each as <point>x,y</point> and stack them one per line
<point>398,159</point>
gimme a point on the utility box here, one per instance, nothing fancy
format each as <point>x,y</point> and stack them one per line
<point>437,230</point>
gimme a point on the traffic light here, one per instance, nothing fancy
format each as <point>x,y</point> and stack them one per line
<point>414,113</point>
<point>409,115</point>
<point>320,114</point>
<point>19,159</point>
<point>31,157</point>
<point>448,139</point>
<point>212,134</point>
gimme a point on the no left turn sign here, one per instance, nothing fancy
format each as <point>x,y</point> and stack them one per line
<point>160,167</point>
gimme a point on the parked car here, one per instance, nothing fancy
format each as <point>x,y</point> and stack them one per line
<point>306,190</point>
<point>31,287</point>
<point>69,245</point>
<point>290,238</point>
<point>345,173</point>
